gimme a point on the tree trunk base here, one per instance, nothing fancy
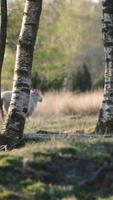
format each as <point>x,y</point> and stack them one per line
<point>6,143</point>
<point>104,128</point>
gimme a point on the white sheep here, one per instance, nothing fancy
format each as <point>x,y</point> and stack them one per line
<point>34,99</point>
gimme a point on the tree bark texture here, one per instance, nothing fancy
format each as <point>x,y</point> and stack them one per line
<point>3,36</point>
<point>105,121</point>
<point>15,121</point>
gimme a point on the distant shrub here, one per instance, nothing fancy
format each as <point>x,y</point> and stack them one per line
<point>39,81</point>
<point>44,84</point>
<point>99,82</point>
<point>35,80</point>
<point>79,79</point>
<point>56,83</point>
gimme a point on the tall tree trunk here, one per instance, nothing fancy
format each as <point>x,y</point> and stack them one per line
<point>14,125</point>
<point>105,121</point>
<point>3,36</point>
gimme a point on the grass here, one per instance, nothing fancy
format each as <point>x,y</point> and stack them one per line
<point>66,112</point>
<point>67,103</point>
<point>52,170</point>
<point>62,124</point>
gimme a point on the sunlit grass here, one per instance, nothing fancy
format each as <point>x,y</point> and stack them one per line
<point>67,103</point>
<point>66,112</point>
<point>61,124</point>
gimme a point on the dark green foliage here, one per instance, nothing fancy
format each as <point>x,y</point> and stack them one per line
<point>41,82</point>
<point>79,79</point>
<point>35,80</point>
<point>56,83</point>
<point>99,82</point>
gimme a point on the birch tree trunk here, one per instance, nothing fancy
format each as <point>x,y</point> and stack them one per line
<point>14,124</point>
<point>3,30</point>
<point>3,36</point>
<point>105,121</point>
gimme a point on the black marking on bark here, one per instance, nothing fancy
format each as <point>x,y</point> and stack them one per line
<point>31,23</point>
<point>35,1</point>
<point>25,110</point>
<point>22,72</point>
<point>27,45</point>
<point>111,95</point>
<point>108,102</point>
<point>18,84</point>
<point>26,90</point>
<point>108,44</point>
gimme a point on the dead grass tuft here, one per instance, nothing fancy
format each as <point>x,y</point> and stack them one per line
<point>58,103</point>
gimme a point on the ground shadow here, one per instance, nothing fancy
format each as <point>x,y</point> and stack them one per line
<point>56,175</point>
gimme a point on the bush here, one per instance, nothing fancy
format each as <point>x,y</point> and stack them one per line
<point>39,81</point>
<point>56,83</point>
<point>35,80</point>
<point>99,83</point>
<point>44,84</point>
<point>79,79</point>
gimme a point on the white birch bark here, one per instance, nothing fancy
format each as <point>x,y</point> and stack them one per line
<point>14,124</point>
<point>105,121</point>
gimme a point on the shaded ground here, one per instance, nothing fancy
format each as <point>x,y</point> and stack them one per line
<point>52,171</point>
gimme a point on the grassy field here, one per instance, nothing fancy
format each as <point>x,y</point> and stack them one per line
<point>66,112</point>
<point>62,124</point>
<point>53,169</point>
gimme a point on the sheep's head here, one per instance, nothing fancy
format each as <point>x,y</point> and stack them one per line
<point>36,96</point>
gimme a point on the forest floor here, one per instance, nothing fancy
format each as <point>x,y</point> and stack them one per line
<point>56,169</point>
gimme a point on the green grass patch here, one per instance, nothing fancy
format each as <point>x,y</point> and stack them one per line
<point>52,170</point>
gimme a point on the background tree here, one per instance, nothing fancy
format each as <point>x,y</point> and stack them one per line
<point>105,121</point>
<point>59,53</point>
<point>79,79</point>
<point>3,36</point>
<point>14,125</point>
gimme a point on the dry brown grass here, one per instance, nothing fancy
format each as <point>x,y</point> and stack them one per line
<point>56,103</point>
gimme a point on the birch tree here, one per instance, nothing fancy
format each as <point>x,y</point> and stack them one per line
<point>15,121</point>
<point>105,121</point>
<point>3,36</point>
